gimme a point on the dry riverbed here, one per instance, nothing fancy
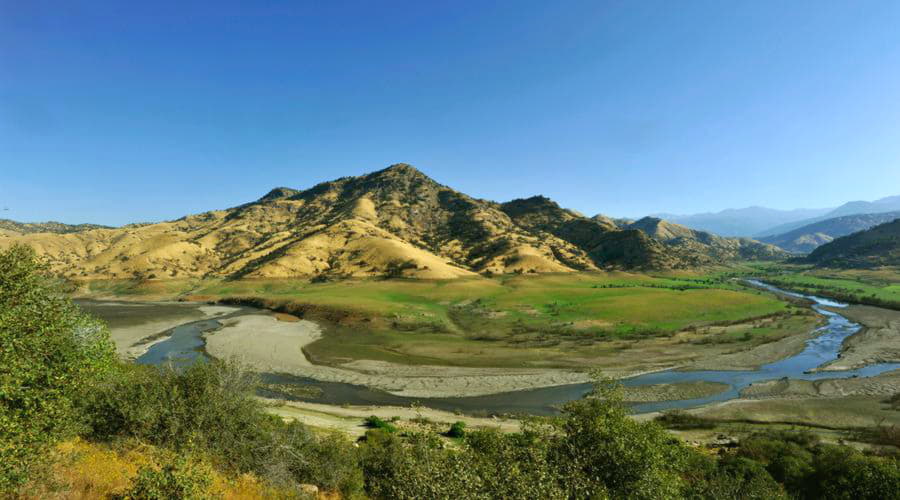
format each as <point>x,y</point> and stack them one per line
<point>877,342</point>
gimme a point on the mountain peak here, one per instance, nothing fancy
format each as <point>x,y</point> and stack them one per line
<point>400,169</point>
<point>279,193</point>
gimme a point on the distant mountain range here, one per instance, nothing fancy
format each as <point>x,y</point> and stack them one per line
<point>395,222</point>
<point>889,204</point>
<point>742,221</point>
<point>809,237</point>
<point>759,222</point>
<point>878,246</point>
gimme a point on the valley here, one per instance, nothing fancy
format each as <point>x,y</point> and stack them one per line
<point>390,288</point>
<point>373,344</point>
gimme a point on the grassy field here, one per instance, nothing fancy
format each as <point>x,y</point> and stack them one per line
<point>877,287</point>
<point>552,320</point>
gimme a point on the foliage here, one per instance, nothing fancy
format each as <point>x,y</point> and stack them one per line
<point>374,422</point>
<point>594,451</point>
<point>180,479</point>
<point>457,430</point>
<point>209,409</point>
<point>809,469</point>
<point>51,354</point>
<point>680,419</point>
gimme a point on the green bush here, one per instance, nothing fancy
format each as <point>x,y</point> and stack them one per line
<point>841,472</point>
<point>208,409</point>
<point>595,450</point>
<point>51,354</point>
<point>680,419</point>
<point>374,422</point>
<point>181,479</point>
<point>457,430</point>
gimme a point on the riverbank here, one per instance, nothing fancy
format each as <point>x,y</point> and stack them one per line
<point>877,342</point>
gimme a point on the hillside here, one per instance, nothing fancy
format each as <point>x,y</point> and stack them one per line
<point>394,222</point>
<point>702,248</point>
<point>13,228</point>
<point>878,246</point>
<point>811,236</point>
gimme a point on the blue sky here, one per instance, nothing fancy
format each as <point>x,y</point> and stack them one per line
<point>115,112</point>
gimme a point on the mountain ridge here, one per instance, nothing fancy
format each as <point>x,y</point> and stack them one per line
<point>394,222</point>
<point>874,247</point>
<point>809,237</point>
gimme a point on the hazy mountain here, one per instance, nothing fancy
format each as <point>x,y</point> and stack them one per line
<point>811,236</point>
<point>889,204</point>
<point>396,221</point>
<point>741,221</point>
<point>878,246</point>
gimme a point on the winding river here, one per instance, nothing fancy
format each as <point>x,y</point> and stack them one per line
<point>185,345</point>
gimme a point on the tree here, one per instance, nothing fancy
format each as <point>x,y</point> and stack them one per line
<point>51,353</point>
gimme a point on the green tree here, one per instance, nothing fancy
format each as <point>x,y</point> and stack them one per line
<point>51,353</point>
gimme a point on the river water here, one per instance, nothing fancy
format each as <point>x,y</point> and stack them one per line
<point>185,346</point>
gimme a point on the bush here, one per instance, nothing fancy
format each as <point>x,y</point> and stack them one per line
<point>51,354</point>
<point>209,410</point>
<point>679,419</point>
<point>208,407</point>
<point>594,451</point>
<point>181,479</point>
<point>841,472</point>
<point>374,422</point>
<point>457,430</point>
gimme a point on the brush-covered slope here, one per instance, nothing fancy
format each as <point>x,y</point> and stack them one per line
<point>13,228</point>
<point>809,237</point>
<point>702,248</point>
<point>394,222</point>
<point>599,238</point>
<point>878,246</point>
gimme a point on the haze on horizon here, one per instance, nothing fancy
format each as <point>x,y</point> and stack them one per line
<point>113,113</point>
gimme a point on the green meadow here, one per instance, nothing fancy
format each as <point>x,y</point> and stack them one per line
<point>572,320</point>
<point>878,287</point>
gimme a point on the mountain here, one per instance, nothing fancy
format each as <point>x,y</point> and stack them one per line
<point>741,221</point>
<point>811,236</point>
<point>393,222</point>
<point>878,246</point>
<point>13,228</point>
<point>700,247</point>
<point>889,204</point>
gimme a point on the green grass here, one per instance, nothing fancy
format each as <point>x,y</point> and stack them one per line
<point>516,320</point>
<point>875,287</point>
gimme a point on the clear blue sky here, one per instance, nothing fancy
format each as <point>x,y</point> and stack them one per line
<point>114,112</point>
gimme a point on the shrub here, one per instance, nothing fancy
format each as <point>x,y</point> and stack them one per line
<point>374,422</point>
<point>841,472</point>
<point>207,407</point>
<point>51,354</point>
<point>679,419</point>
<point>180,479</point>
<point>457,430</point>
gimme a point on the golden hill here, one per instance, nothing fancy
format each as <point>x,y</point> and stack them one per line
<point>702,248</point>
<point>395,222</point>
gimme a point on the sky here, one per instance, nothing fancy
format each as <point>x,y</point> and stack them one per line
<point>114,112</point>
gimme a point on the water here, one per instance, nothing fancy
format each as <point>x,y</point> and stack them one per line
<point>185,346</point>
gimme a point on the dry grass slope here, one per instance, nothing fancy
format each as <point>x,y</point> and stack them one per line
<point>396,222</point>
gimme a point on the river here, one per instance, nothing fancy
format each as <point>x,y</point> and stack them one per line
<point>185,345</point>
